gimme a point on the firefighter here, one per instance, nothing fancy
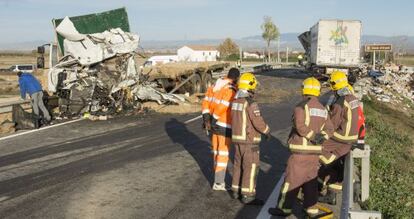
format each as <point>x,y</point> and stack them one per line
<point>247,128</point>
<point>344,114</point>
<point>216,109</point>
<point>311,127</point>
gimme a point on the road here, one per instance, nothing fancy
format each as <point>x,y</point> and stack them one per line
<point>146,166</point>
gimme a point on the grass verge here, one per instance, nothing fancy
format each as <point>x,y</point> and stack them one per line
<point>390,135</point>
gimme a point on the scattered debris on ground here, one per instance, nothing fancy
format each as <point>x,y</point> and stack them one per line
<point>22,119</point>
<point>392,84</point>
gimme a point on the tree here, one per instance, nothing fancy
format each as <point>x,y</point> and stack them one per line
<point>227,48</point>
<point>270,32</point>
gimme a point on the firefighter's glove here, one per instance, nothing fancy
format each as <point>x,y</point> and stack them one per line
<point>206,122</point>
<point>318,139</point>
<point>207,125</point>
<point>213,124</point>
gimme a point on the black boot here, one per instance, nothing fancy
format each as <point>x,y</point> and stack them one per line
<point>329,198</point>
<point>277,212</point>
<point>234,195</point>
<point>36,122</point>
<point>251,200</point>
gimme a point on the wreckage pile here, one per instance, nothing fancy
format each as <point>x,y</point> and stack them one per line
<point>391,85</point>
<point>98,73</point>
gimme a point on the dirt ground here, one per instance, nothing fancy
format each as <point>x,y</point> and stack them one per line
<point>9,59</point>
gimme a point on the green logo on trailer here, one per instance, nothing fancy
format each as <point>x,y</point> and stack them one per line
<point>339,36</point>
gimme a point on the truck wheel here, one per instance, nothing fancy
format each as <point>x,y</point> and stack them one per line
<point>195,84</point>
<point>207,82</point>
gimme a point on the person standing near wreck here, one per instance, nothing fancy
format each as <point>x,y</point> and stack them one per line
<point>247,127</point>
<point>216,109</point>
<point>311,127</point>
<point>30,85</point>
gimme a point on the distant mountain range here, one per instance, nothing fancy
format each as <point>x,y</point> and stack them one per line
<point>251,43</point>
<point>401,43</point>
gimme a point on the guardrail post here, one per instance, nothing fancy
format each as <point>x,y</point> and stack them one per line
<point>348,190</point>
<point>365,166</point>
<point>347,208</point>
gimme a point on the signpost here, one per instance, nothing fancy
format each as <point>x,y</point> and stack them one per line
<point>374,48</point>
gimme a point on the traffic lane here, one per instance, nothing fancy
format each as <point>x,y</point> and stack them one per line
<point>163,186</point>
<point>139,189</point>
<point>35,158</point>
<point>135,149</point>
<point>72,131</point>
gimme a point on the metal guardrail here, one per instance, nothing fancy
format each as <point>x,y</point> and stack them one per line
<point>348,209</point>
<point>6,107</point>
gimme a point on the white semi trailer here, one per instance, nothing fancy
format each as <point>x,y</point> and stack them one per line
<point>333,44</point>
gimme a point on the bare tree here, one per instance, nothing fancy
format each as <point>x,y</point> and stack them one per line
<point>270,32</point>
<point>228,47</point>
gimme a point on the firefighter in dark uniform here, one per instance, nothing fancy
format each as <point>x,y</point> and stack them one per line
<point>311,127</point>
<point>247,128</point>
<point>344,114</point>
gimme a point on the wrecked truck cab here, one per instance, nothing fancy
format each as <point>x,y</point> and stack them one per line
<point>98,74</point>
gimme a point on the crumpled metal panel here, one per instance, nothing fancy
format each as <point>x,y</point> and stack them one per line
<point>90,49</point>
<point>147,92</point>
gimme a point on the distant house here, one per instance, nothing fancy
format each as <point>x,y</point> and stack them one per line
<point>252,55</point>
<point>198,53</point>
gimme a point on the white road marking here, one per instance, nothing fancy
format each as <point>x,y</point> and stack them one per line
<point>272,200</point>
<point>36,130</point>
<point>193,119</point>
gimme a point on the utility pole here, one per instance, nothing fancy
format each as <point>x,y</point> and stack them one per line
<point>287,55</point>
<point>278,50</point>
<point>373,61</point>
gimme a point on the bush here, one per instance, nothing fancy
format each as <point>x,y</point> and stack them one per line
<point>392,162</point>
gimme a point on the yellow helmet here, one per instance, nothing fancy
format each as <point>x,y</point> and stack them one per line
<point>338,80</point>
<point>311,86</point>
<point>247,81</point>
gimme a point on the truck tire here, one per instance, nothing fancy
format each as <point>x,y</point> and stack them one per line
<point>195,85</point>
<point>207,82</point>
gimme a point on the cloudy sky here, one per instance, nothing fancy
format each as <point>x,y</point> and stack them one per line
<point>29,20</point>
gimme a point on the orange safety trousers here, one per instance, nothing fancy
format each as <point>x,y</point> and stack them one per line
<point>220,150</point>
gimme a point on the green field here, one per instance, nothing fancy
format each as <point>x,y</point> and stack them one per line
<point>389,133</point>
<point>406,60</point>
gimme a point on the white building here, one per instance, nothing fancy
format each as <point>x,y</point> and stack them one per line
<point>198,53</point>
<point>251,55</point>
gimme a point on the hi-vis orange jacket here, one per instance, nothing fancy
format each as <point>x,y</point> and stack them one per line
<point>217,103</point>
<point>206,104</point>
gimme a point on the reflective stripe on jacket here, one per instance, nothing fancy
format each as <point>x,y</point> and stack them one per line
<point>247,122</point>
<point>344,116</point>
<point>221,107</point>
<point>310,118</point>
<point>206,104</point>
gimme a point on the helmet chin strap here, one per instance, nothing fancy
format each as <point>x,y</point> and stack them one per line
<point>343,92</point>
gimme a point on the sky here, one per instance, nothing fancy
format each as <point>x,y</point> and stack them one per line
<point>30,20</point>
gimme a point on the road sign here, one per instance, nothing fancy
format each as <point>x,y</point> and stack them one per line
<point>378,47</point>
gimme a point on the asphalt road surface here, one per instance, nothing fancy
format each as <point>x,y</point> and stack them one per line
<point>146,166</point>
